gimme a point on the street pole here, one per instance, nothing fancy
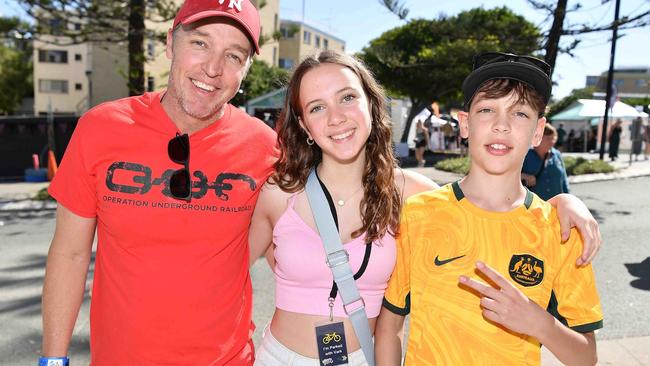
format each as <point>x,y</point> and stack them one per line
<point>610,76</point>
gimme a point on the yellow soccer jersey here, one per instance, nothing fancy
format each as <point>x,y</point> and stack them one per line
<point>442,236</point>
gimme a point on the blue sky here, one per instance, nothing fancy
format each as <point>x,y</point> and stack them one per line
<point>365,20</point>
<point>359,21</point>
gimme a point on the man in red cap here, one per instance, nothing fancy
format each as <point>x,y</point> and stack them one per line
<point>164,181</point>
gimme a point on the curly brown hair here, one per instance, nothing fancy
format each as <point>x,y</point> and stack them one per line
<point>381,202</point>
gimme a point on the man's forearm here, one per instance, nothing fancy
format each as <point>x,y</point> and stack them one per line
<point>65,280</point>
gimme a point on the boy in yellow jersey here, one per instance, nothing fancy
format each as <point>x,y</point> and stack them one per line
<point>480,267</point>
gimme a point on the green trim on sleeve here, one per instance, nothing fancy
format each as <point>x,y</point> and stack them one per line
<point>552,309</point>
<point>586,328</point>
<point>397,310</point>
<point>583,328</point>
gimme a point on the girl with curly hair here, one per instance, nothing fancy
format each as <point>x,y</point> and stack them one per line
<point>335,119</point>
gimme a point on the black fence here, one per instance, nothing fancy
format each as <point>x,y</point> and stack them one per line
<point>21,137</point>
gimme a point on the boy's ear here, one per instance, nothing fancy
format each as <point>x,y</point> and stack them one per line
<point>463,123</point>
<point>539,132</point>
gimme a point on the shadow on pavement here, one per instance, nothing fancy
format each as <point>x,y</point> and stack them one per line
<point>642,271</point>
<point>30,349</point>
<point>10,217</point>
<point>19,278</point>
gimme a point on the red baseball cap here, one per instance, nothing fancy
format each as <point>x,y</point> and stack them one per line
<point>241,11</point>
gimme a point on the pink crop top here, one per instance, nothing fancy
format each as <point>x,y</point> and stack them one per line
<point>302,278</point>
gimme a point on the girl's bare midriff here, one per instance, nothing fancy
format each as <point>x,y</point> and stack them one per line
<point>298,331</point>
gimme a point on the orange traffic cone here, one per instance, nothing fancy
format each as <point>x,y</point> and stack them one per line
<point>51,165</point>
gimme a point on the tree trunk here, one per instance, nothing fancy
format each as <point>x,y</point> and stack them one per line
<point>136,47</point>
<point>553,41</point>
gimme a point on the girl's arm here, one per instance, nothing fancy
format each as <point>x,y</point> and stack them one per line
<point>389,336</point>
<point>572,212</point>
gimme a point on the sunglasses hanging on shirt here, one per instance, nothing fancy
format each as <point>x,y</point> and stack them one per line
<point>180,184</point>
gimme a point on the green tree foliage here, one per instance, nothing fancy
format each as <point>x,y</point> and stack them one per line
<point>15,79</point>
<point>106,21</point>
<point>562,104</point>
<point>427,60</point>
<point>261,79</point>
<point>15,64</point>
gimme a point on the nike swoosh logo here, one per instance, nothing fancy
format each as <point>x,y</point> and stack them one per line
<point>439,262</point>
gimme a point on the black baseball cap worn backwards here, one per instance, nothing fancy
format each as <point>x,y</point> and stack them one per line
<point>497,65</point>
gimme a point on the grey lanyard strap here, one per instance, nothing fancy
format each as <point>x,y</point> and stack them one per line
<point>338,261</point>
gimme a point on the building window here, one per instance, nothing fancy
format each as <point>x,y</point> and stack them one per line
<point>619,82</point>
<point>306,37</point>
<point>275,22</point>
<point>56,26</point>
<point>53,86</point>
<point>326,43</point>
<point>53,56</point>
<point>317,41</point>
<point>77,57</point>
<point>77,86</point>
<point>285,63</point>
<point>151,83</point>
<point>641,83</point>
<point>275,55</point>
<point>151,49</point>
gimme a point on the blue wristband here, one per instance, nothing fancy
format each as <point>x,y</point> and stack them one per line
<point>53,361</point>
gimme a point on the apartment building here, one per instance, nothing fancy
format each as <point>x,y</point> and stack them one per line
<point>630,82</point>
<point>72,78</point>
<point>299,40</point>
<point>69,79</point>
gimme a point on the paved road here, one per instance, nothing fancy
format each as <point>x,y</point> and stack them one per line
<point>622,269</point>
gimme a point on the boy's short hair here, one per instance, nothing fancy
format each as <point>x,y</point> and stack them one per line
<point>549,130</point>
<point>499,88</point>
<point>532,72</point>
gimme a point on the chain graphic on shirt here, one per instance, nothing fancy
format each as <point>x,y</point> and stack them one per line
<point>142,181</point>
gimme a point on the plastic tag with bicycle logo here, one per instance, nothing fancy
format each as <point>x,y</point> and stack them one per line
<point>330,340</point>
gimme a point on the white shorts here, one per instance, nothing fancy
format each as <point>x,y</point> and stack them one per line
<point>273,353</point>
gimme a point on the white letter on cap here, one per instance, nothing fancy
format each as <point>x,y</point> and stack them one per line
<point>233,3</point>
<point>236,4</point>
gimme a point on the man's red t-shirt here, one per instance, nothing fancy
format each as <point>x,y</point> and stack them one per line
<point>171,282</point>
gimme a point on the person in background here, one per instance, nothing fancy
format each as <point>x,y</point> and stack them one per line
<point>636,135</point>
<point>646,141</point>
<point>561,137</point>
<point>614,139</point>
<point>571,141</point>
<point>421,142</point>
<point>543,171</point>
